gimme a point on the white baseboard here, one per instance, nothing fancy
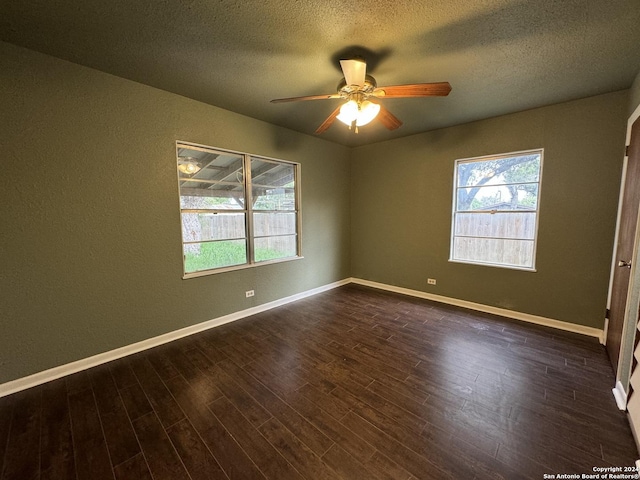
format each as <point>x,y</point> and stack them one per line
<point>57,372</point>
<point>526,317</point>
<point>620,395</point>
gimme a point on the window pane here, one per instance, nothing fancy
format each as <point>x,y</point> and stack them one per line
<point>502,225</point>
<point>516,169</point>
<point>217,184</point>
<point>270,248</point>
<point>266,224</point>
<point>198,227</point>
<point>273,185</point>
<point>273,198</point>
<point>205,256</point>
<point>517,253</point>
<point>499,197</point>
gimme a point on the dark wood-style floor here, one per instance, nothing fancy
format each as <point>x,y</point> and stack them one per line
<point>354,383</point>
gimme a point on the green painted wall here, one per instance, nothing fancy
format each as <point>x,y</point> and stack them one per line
<point>401,194</point>
<point>90,244</point>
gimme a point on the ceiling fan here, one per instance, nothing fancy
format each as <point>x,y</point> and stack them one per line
<point>362,96</point>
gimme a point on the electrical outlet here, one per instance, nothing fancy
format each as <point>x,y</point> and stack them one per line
<point>249,293</point>
<point>431,281</point>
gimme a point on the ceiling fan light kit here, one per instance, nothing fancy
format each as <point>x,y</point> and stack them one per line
<point>357,88</point>
<point>360,113</point>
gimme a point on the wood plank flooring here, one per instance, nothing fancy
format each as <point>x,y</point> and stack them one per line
<point>354,383</point>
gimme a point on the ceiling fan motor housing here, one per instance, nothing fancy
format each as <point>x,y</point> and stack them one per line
<point>347,91</point>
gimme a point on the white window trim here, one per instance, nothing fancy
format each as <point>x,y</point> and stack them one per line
<point>454,204</point>
<point>251,263</point>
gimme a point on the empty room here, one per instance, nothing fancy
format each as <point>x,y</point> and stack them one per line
<point>319,240</point>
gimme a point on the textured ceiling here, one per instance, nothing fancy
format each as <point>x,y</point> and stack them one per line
<point>500,56</point>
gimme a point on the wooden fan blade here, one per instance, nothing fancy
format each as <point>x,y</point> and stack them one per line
<point>440,89</point>
<point>329,121</point>
<point>309,97</point>
<point>388,119</point>
<point>355,71</point>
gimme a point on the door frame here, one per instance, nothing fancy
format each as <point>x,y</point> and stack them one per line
<point>630,321</point>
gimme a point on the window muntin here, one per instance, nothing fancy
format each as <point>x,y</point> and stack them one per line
<point>495,211</point>
<point>236,210</point>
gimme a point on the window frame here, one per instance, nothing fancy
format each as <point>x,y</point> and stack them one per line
<point>536,211</point>
<point>248,210</point>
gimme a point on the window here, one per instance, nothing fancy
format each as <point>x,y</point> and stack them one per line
<point>495,210</point>
<point>237,210</point>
